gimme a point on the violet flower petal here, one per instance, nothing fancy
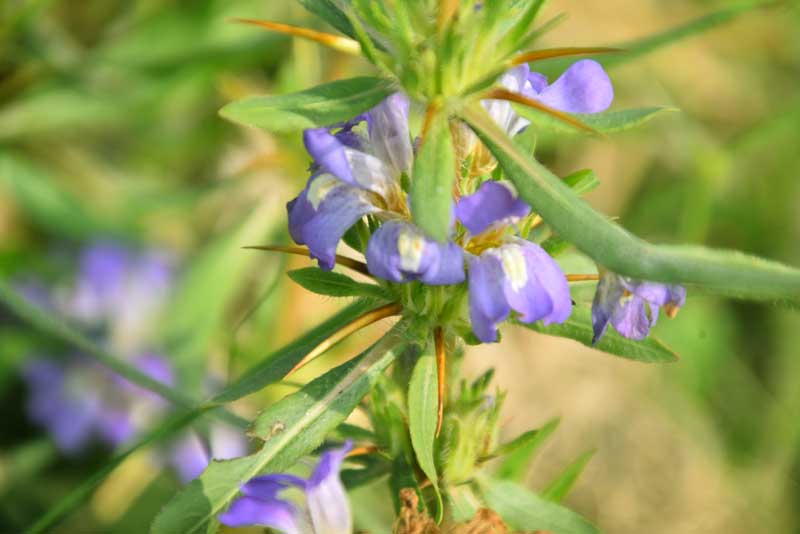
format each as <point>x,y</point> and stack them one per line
<point>399,252</point>
<point>326,497</point>
<point>493,202</point>
<point>276,514</point>
<point>583,88</point>
<point>488,306</point>
<point>323,212</point>
<point>389,137</point>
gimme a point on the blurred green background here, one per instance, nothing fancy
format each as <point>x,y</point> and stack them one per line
<point>109,129</point>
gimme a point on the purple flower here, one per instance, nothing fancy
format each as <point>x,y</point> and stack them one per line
<point>323,212</point>
<point>519,276</point>
<point>493,203</point>
<point>116,294</point>
<point>191,454</point>
<point>399,252</point>
<point>583,88</point>
<point>120,291</point>
<point>632,306</point>
<point>353,177</point>
<point>325,510</point>
<point>80,401</point>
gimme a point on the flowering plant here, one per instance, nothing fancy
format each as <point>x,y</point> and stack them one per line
<point>425,192</point>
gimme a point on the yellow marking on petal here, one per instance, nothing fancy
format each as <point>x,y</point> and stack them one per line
<point>505,94</point>
<point>549,53</point>
<point>358,266</point>
<point>342,44</point>
<point>410,246</point>
<point>320,188</point>
<point>357,324</point>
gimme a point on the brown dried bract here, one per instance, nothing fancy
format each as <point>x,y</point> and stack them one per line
<point>413,521</point>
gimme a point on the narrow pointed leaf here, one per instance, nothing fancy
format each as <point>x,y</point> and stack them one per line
<point>579,328</point>
<point>432,184</point>
<point>607,122</point>
<point>319,106</point>
<point>561,486</point>
<point>275,366</point>
<point>291,428</point>
<point>422,404</point>
<point>582,181</point>
<point>525,511</point>
<point>198,307</point>
<point>328,11</point>
<point>724,272</point>
<point>335,284</point>
<point>518,453</point>
<point>49,205</point>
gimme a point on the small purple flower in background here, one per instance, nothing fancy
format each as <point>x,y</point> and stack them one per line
<point>325,510</point>
<point>115,296</point>
<point>79,401</point>
<point>632,306</point>
<point>191,454</point>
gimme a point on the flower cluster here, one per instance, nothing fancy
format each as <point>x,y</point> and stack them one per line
<point>115,295</point>
<point>357,174</point>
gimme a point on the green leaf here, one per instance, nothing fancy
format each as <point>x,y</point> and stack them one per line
<point>328,11</point>
<point>422,403</point>
<point>526,511</point>
<point>46,203</point>
<point>579,328</point>
<point>462,502</point>
<point>275,366</point>
<point>422,418</point>
<point>335,284</point>
<point>558,488</point>
<point>83,491</point>
<point>432,184</point>
<point>582,181</point>
<point>319,106</point>
<point>291,428</point>
<point>607,122</point>
<point>725,272</point>
<point>199,305</point>
<point>510,42</point>
<point>519,451</point>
